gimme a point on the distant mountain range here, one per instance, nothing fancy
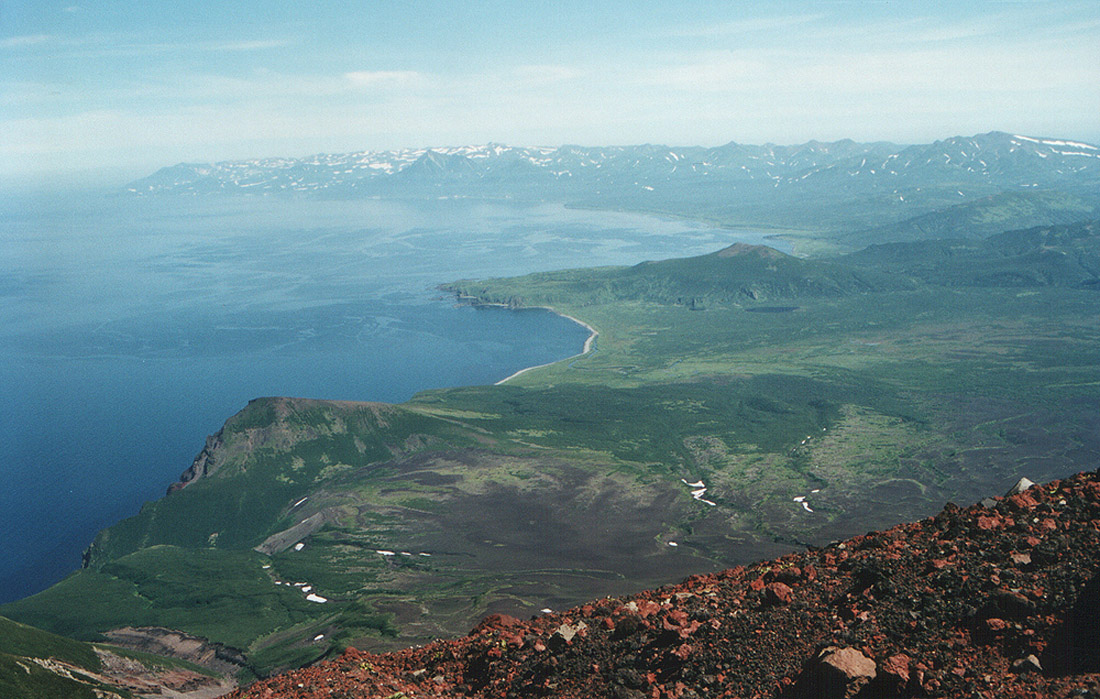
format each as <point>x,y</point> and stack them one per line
<point>994,159</point>
<point>845,193</point>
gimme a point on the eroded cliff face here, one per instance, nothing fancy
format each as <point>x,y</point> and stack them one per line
<point>271,422</point>
<point>1000,599</point>
<point>183,646</point>
<point>203,465</point>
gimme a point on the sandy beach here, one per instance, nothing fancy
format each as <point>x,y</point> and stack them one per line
<point>588,344</point>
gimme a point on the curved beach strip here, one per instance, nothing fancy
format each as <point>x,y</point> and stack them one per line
<point>588,345</point>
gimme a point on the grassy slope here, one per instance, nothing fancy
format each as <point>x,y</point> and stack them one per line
<point>983,217</point>
<point>740,274</point>
<point>889,397</point>
<point>21,677</point>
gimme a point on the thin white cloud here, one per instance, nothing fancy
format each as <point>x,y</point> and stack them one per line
<point>255,45</point>
<point>749,26</point>
<point>376,78</point>
<point>106,45</point>
<point>527,76</point>
<point>710,72</point>
<point>13,42</point>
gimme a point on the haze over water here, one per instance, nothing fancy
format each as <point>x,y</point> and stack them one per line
<point>131,328</point>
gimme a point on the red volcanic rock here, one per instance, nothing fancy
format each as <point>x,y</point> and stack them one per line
<point>837,673</point>
<point>897,667</point>
<point>777,593</point>
<point>987,523</point>
<point>995,600</point>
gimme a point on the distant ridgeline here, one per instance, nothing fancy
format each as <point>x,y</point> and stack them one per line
<point>858,193</point>
<point>1063,256</point>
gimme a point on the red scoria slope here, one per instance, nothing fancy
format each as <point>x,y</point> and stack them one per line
<point>988,601</point>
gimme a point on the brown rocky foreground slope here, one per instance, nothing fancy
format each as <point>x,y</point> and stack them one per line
<point>996,600</point>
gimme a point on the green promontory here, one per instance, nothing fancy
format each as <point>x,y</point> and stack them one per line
<point>738,275</point>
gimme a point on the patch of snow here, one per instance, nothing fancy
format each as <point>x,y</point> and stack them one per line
<point>315,598</point>
<point>299,502</point>
<point>1051,142</point>
<point>673,543</point>
<point>383,552</point>
<point>806,507</point>
<point>318,637</point>
<point>696,484</point>
<point>299,546</point>
<point>800,498</point>
<point>426,555</point>
<point>547,611</point>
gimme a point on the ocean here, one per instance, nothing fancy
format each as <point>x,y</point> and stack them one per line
<point>130,328</point>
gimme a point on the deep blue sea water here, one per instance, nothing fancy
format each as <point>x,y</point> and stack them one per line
<point>130,328</point>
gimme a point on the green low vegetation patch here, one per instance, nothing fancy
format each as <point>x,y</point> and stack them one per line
<point>20,639</point>
<point>736,275</point>
<point>23,679</point>
<point>21,676</point>
<point>226,597</point>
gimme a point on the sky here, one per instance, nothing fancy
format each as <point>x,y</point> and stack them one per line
<point>123,87</point>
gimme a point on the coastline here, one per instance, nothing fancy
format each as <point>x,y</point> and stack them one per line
<point>589,343</point>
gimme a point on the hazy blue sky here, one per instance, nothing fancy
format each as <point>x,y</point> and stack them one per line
<point>134,85</point>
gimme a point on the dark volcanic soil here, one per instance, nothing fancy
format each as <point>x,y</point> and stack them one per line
<point>997,600</point>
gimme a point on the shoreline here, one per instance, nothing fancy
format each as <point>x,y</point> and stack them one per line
<point>589,342</point>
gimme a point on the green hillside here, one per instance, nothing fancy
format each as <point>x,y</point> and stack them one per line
<point>980,218</point>
<point>738,275</point>
<point>29,665</point>
<point>1061,256</point>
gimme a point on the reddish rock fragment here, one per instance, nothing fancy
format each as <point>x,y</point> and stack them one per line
<point>988,523</point>
<point>495,621</point>
<point>836,673</point>
<point>777,593</point>
<point>1027,664</point>
<point>896,667</point>
<point>1023,501</point>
